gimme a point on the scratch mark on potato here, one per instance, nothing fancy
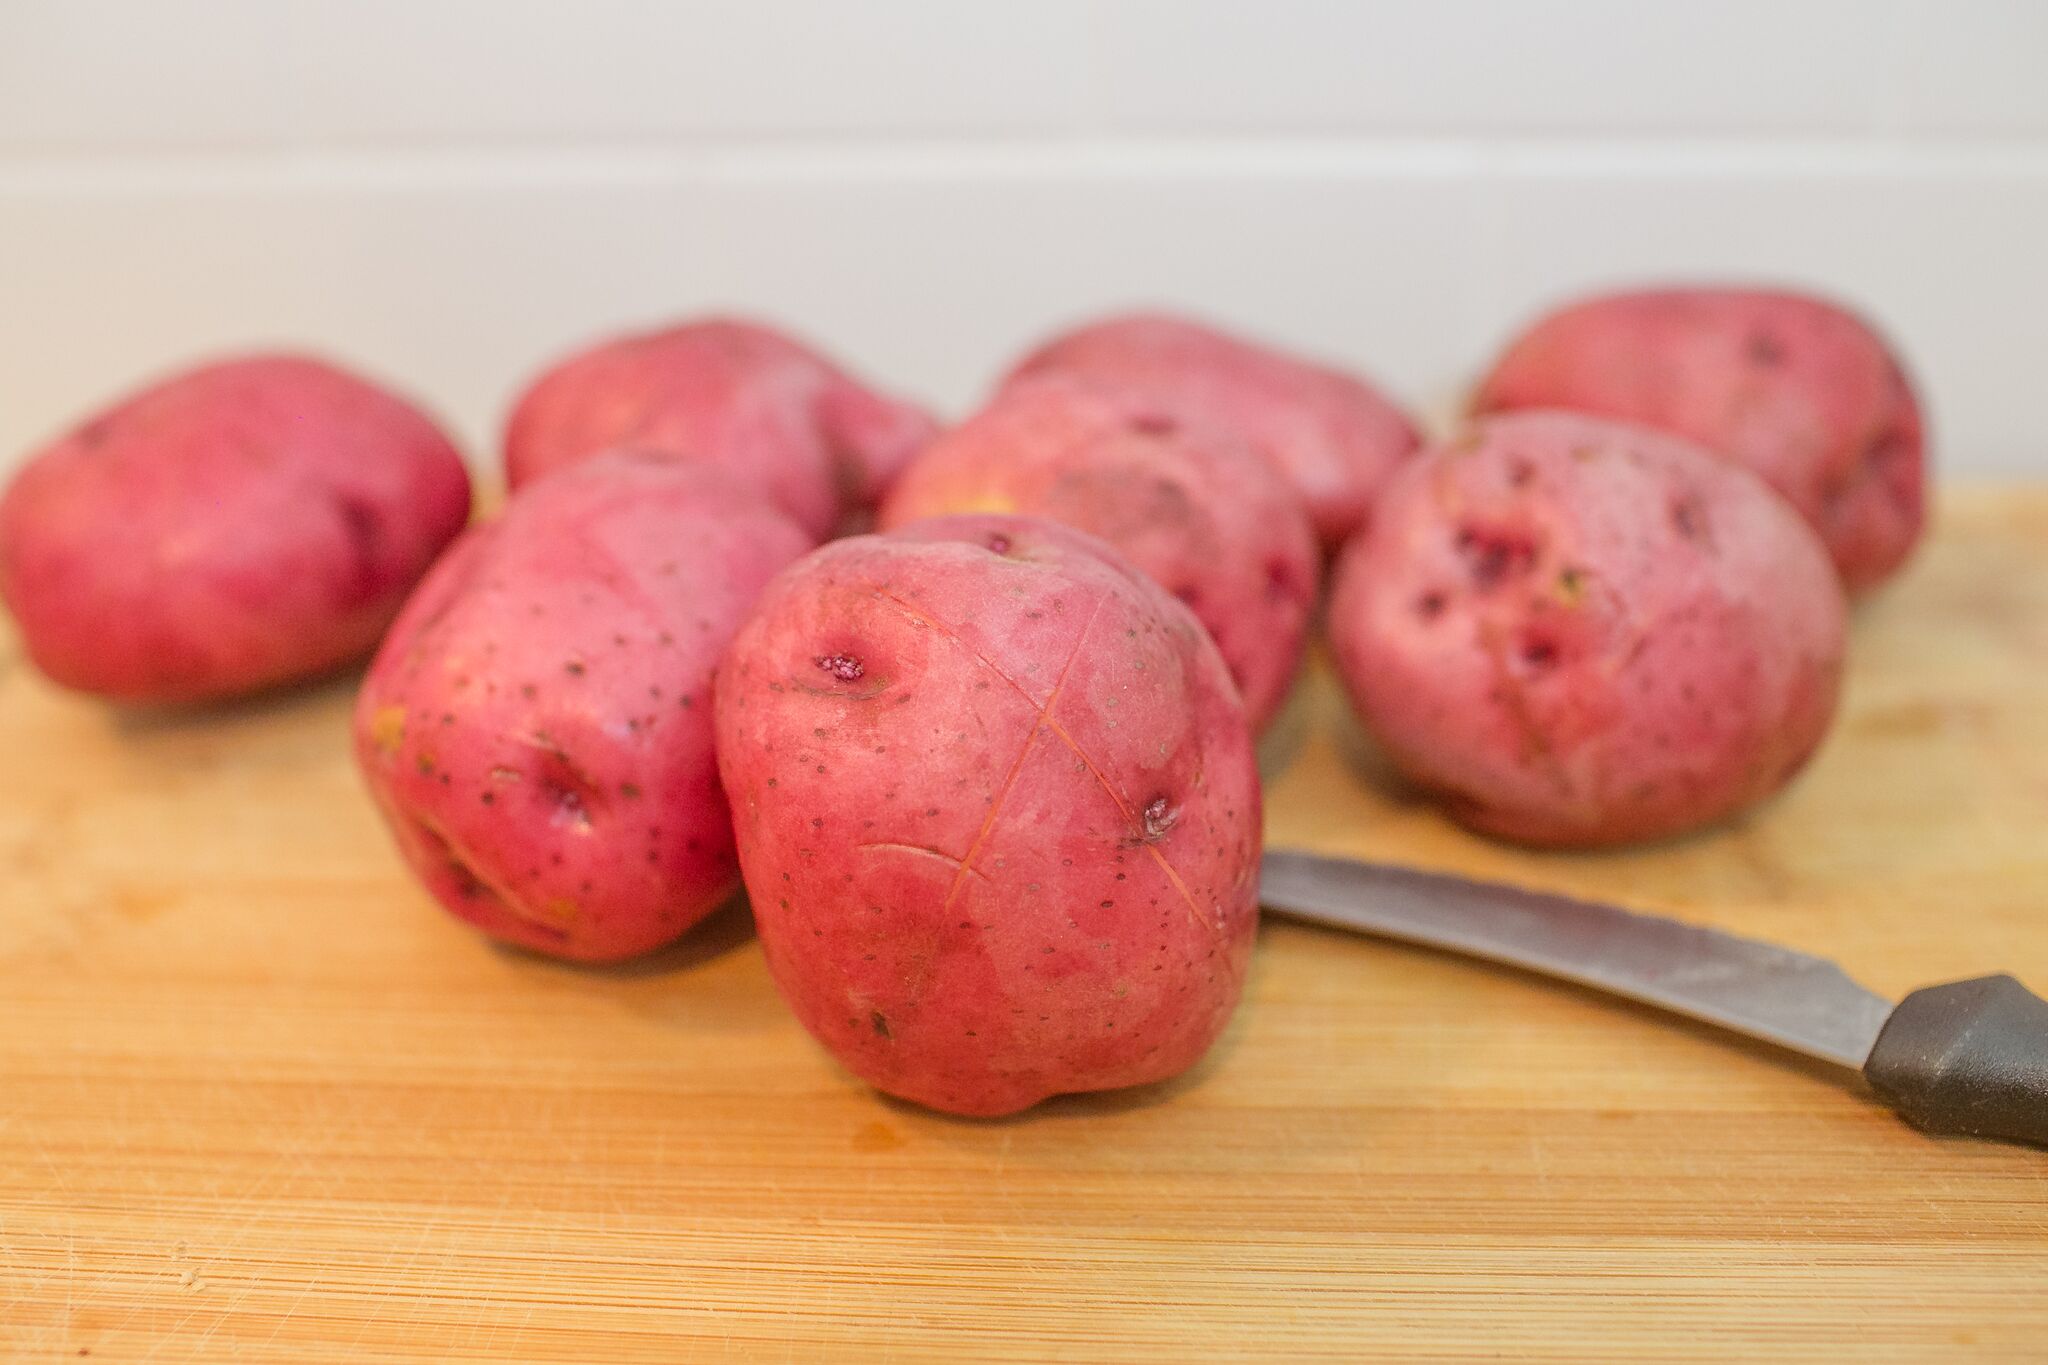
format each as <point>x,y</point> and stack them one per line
<point>1039,723</point>
<point>922,851</point>
<point>468,866</point>
<point>1046,719</point>
<point>910,611</point>
<point>1132,821</point>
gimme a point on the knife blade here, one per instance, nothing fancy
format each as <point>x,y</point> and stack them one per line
<point>1968,1057</point>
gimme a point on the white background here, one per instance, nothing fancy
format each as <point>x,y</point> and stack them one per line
<point>449,192</point>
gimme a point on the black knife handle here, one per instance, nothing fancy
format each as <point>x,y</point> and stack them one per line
<point>1970,1057</point>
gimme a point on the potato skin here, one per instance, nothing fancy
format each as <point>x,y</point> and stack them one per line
<point>1328,433</point>
<point>243,524</point>
<point>1795,388</point>
<point>769,410</point>
<point>997,812</point>
<point>1198,511</point>
<point>537,727</point>
<point>1577,632</point>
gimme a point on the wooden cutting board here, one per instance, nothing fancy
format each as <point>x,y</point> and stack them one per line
<point>259,1099</point>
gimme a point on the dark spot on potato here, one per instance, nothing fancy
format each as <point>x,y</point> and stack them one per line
<point>1765,350</point>
<point>528,691</point>
<point>1153,423</point>
<point>466,884</point>
<point>1519,474</point>
<point>1539,652</point>
<point>1871,465</point>
<point>1430,605</point>
<point>844,667</point>
<point>1282,582</point>
<point>629,790</point>
<point>574,668</point>
<point>1689,519</point>
<point>365,532</point>
<point>1494,554</point>
<point>1888,445</point>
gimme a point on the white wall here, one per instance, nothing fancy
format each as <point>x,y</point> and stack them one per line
<point>448,192</point>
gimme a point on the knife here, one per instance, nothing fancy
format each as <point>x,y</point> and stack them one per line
<point>1970,1057</point>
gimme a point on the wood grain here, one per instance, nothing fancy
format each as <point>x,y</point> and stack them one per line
<point>259,1100</point>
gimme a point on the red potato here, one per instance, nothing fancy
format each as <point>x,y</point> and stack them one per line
<point>768,409</point>
<point>997,812</point>
<point>1577,632</point>
<point>1330,435</point>
<point>1795,388</point>
<point>537,727</point>
<point>240,525</point>
<point>1198,511</point>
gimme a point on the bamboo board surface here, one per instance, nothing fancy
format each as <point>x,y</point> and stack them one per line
<point>259,1100</point>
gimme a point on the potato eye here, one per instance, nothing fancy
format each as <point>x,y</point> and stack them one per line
<point>1159,818</point>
